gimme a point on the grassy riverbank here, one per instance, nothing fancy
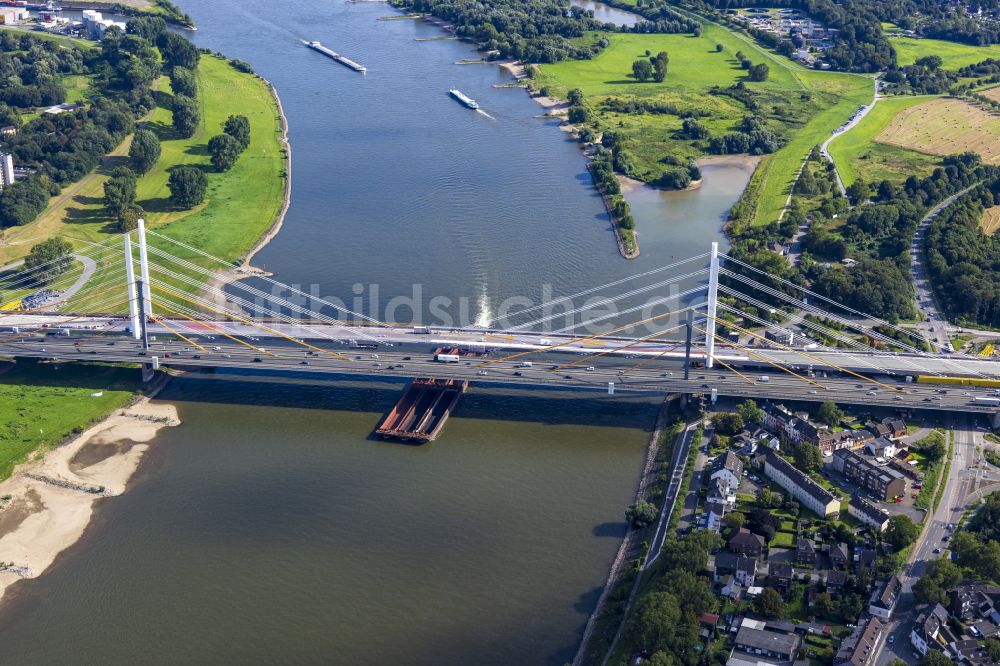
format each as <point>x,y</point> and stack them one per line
<point>800,106</point>
<point>42,404</point>
<point>241,204</point>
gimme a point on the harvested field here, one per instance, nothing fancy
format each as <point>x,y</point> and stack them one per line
<point>945,127</point>
<point>990,223</point>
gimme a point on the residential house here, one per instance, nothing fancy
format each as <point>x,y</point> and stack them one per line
<point>835,581</point>
<point>741,567</point>
<point>867,557</point>
<point>810,494</point>
<point>805,551</point>
<point>714,513</point>
<point>779,576</point>
<point>720,491</point>
<point>883,601</point>
<point>897,428</point>
<point>931,630</point>
<point>728,468</point>
<point>882,447</point>
<point>764,643</point>
<point>839,555</point>
<point>868,513</point>
<point>971,600</point>
<point>746,543</point>
<point>877,480</point>
<point>858,649</point>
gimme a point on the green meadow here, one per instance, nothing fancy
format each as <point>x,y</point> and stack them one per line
<point>858,155</point>
<point>953,54</point>
<point>801,106</point>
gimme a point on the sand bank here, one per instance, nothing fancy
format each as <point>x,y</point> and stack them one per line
<point>51,499</point>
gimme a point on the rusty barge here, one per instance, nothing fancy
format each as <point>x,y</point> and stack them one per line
<point>422,411</point>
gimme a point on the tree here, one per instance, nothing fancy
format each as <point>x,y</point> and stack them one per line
<point>187,186</point>
<point>640,514</point>
<point>48,260</point>
<point>655,620</point>
<point>577,115</point>
<point>719,48</point>
<point>119,191</point>
<point>177,51</point>
<point>734,520</point>
<point>858,192</point>
<point>829,413</point>
<point>768,603</point>
<point>238,127</point>
<point>727,423</point>
<point>824,604</point>
<point>660,63</point>
<point>759,72</point>
<point>144,151</point>
<point>642,70</point>
<point>850,606</point>
<point>808,457</point>
<point>901,532</point>
<point>936,658</point>
<point>186,116</point>
<point>751,413</point>
<point>940,576</point>
<point>575,97</point>
<point>225,150</point>
<point>183,82</point>
<point>129,218</point>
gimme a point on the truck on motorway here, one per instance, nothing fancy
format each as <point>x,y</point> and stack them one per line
<point>764,378</point>
<point>986,400</point>
<point>446,358</point>
<point>524,364</point>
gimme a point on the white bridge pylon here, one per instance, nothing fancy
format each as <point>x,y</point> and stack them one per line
<point>713,301</point>
<point>140,298</point>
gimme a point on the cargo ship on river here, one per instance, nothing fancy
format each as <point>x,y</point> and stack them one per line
<point>343,60</point>
<point>461,97</point>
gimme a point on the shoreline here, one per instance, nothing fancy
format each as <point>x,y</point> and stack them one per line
<point>279,219</point>
<point>647,480</point>
<point>50,500</point>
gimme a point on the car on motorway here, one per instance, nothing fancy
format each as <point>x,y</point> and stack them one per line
<point>517,374</point>
<point>482,372</point>
<point>303,362</point>
<point>256,359</point>
<point>590,368</point>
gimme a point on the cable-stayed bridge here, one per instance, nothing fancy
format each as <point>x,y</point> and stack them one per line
<point>707,324</point>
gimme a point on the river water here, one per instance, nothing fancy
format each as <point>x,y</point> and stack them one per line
<point>270,527</point>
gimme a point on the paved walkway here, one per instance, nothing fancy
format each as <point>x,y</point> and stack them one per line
<point>824,148</point>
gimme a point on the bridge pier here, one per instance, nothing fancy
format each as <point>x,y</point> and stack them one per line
<point>995,420</point>
<point>148,373</point>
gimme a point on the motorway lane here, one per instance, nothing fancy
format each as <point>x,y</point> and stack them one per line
<point>547,368</point>
<point>322,333</point>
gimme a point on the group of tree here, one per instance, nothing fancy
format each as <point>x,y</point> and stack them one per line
<point>651,67</point>
<point>609,158</point>
<point>878,233</point>
<point>665,617</point>
<point>119,198</point>
<point>48,260</point>
<point>754,137</point>
<point>227,147</point>
<point>963,262</point>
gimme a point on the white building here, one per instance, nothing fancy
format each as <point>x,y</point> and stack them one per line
<point>96,25</point>
<point>809,493</point>
<point>6,170</point>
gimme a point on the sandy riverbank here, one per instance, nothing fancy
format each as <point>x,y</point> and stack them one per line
<point>52,498</point>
